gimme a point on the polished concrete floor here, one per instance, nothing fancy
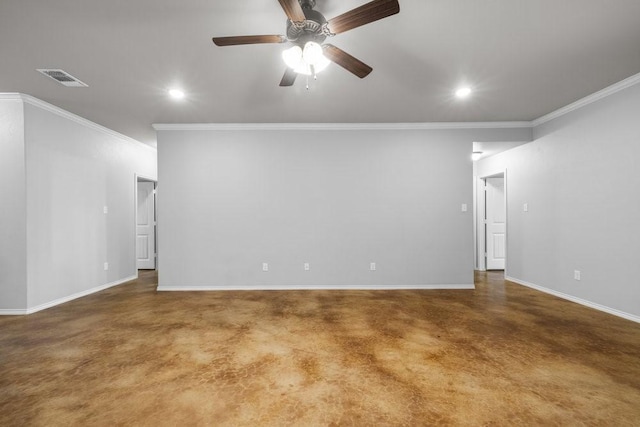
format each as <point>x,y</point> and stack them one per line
<point>499,355</point>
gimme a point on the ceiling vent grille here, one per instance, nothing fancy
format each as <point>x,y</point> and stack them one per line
<point>62,77</point>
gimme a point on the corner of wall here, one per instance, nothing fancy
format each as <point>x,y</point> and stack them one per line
<point>13,250</point>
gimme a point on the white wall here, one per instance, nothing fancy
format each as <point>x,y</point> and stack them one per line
<point>581,181</point>
<point>339,199</point>
<point>72,169</point>
<point>13,230</point>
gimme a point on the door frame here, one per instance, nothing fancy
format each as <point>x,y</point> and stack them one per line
<point>479,222</point>
<point>142,178</point>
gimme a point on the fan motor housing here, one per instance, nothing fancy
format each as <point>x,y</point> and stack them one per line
<point>310,30</point>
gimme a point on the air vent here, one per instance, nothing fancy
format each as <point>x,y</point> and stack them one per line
<point>63,77</point>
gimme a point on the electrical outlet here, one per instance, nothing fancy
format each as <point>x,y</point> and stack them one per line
<point>464,207</point>
<point>576,274</point>
<point>525,207</point>
<point>265,266</point>
<point>372,266</point>
<point>106,209</point>
<point>106,266</point>
<point>306,266</point>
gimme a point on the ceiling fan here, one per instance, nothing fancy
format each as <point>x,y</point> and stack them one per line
<point>307,29</point>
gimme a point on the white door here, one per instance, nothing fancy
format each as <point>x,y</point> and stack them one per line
<point>496,225</point>
<point>145,229</point>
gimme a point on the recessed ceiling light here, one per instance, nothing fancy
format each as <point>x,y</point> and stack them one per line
<point>176,93</point>
<point>463,92</point>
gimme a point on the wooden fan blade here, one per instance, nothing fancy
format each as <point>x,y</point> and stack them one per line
<point>289,77</point>
<point>293,10</point>
<point>346,61</point>
<point>237,40</point>
<point>370,12</point>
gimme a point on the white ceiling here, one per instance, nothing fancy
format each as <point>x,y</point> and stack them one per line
<point>524,58</point>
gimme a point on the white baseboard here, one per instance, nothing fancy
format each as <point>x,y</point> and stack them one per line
<point>171,288</point>
<point>577,300</point>
<point>11,312</point>
<point>62,300</point>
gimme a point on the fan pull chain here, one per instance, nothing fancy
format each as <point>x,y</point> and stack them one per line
<point>307,82</point>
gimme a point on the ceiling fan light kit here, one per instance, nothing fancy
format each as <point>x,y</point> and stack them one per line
<point>307,29</point>
<point>307,61</point>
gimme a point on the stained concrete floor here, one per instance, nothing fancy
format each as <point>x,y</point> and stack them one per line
<point>499,355</point>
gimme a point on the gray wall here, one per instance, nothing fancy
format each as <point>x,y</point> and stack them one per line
<point>339,199</point>
<point>73,172</point>
<point>581,180</point>
<point>57,173</point>
<point>13,234</point>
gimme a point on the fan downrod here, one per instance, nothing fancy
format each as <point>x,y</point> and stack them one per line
<point>307,4</point>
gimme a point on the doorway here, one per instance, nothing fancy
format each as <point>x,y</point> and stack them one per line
<point>492,222</point>
<point>495,224</point>
<point>146,254</point>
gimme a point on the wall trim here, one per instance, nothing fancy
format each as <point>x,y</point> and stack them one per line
<point>68,298</point>
<point>11,96</point>
<point>589,99</point>
<point>577,300</point>
<point>170,288</point>
<point>340,126</point>
<point>11,312</point>
<point>73,117</point>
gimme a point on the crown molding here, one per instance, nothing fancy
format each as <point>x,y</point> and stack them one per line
<point>339,126</point>
<point>609,90</point>
<point>12,96</point>
<point>70,116</point>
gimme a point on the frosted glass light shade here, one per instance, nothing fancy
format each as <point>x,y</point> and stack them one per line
<point>312,55</point>
<point>321,63</point>
<point>312,52</point>
<point>303,68</point>
<point>292,57</point>
<point>306,61</point>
